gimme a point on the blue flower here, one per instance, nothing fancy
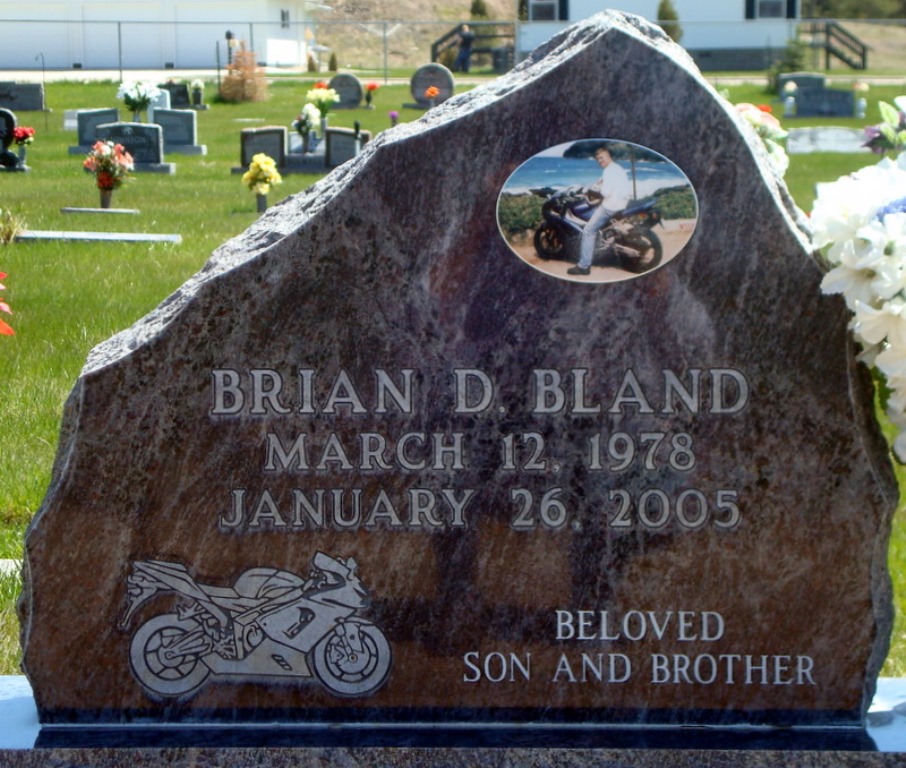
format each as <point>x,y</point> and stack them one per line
<point>897,206</point>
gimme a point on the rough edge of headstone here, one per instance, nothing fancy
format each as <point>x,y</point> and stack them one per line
<point>272,227</point>
<point>294,214</point>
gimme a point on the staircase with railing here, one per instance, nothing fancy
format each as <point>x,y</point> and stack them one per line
<point>496,38</point>
<point>836,42</point>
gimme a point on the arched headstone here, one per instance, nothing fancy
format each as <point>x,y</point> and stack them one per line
<point>426,76</point>
<point>7,126</point>
<point>349,89</point>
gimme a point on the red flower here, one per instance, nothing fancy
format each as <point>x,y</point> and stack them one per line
<point>5,329</point>
<point>371,86</point>
<point>766,108</point>
<point>322,84</point>
<point>106,180</point>
<point>23,134</point>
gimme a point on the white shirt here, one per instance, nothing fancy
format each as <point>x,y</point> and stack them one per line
<point>615,187</point>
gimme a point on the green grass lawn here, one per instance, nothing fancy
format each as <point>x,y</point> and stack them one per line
<point>68,297</point>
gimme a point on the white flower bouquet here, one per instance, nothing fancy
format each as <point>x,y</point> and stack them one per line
<point>861,220</point>
<point>138,96</point>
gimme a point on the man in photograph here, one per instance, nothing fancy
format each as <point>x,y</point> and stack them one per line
<point>615,190</point>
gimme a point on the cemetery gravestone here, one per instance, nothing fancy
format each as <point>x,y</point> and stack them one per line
<point>349,89</point>
<point>803,141</point>
<point>87,122</point>
<point>270,140</point>
<point>179,95</point>
<point>804,81</point>
<point>343,144</point>
<point>654,497</point>
<point>429,75</point>
<point>826,103</point>
<point>161,101</point>
<point>144,141</point>
<point>22,97</point>
<point>180,128</point>
<point>9,161</point>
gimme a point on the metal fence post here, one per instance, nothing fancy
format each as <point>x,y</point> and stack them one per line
<point>386,73</point>
<point>119,43</point>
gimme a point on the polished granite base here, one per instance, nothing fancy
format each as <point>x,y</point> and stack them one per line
<point>23,743</point>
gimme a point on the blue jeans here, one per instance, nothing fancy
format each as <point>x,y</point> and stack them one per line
<point>596,223</point>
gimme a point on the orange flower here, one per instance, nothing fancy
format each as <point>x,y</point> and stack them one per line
<point>432,92</point>
<point>766,108</point>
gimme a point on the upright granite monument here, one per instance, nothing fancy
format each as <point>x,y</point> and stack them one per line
<point>386,459</point>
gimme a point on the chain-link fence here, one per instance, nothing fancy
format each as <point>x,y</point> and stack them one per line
<point>376,46</point>
<point>383,47</point>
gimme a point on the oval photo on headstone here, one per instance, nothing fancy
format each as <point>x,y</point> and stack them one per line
<point>597,210</point>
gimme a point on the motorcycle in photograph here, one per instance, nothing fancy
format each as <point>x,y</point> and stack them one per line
<point>626,241</point>
<point>270,624</point>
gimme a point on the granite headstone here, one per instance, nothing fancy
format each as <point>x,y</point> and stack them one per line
<point>343,144</point>
<point>22,97</point>
<point>825,103</point>
<point>179,95</point>
<point>427,76</point>
<point>160,101</point>
<point>144,141</point>
<point>87,122</point>
<point>180,127</point>
<point>372,465</point>
<point>9,161</point>
<point>804,81</point>
<point>350,90</point>
<point>270,140</point>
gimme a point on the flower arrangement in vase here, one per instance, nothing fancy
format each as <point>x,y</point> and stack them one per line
<point>22,137</point>
<point>305,124</point>
<point>137,96</point>
<point>111,165</point>
<point>323,98</point>
<point>370,88</point>
<point>431,94</point>
<point>260,177</point>
<point>769,130</point>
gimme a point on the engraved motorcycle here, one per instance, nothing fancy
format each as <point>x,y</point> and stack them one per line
<point>269,625</point>
<point>626,241</point>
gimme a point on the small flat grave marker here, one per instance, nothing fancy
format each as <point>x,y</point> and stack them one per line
<point>100,210</point>
<point>804,141</point>
<point>110,237</point>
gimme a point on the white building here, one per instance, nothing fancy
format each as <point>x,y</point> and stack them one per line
<point>150,34</point>
<point>720,34</point>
